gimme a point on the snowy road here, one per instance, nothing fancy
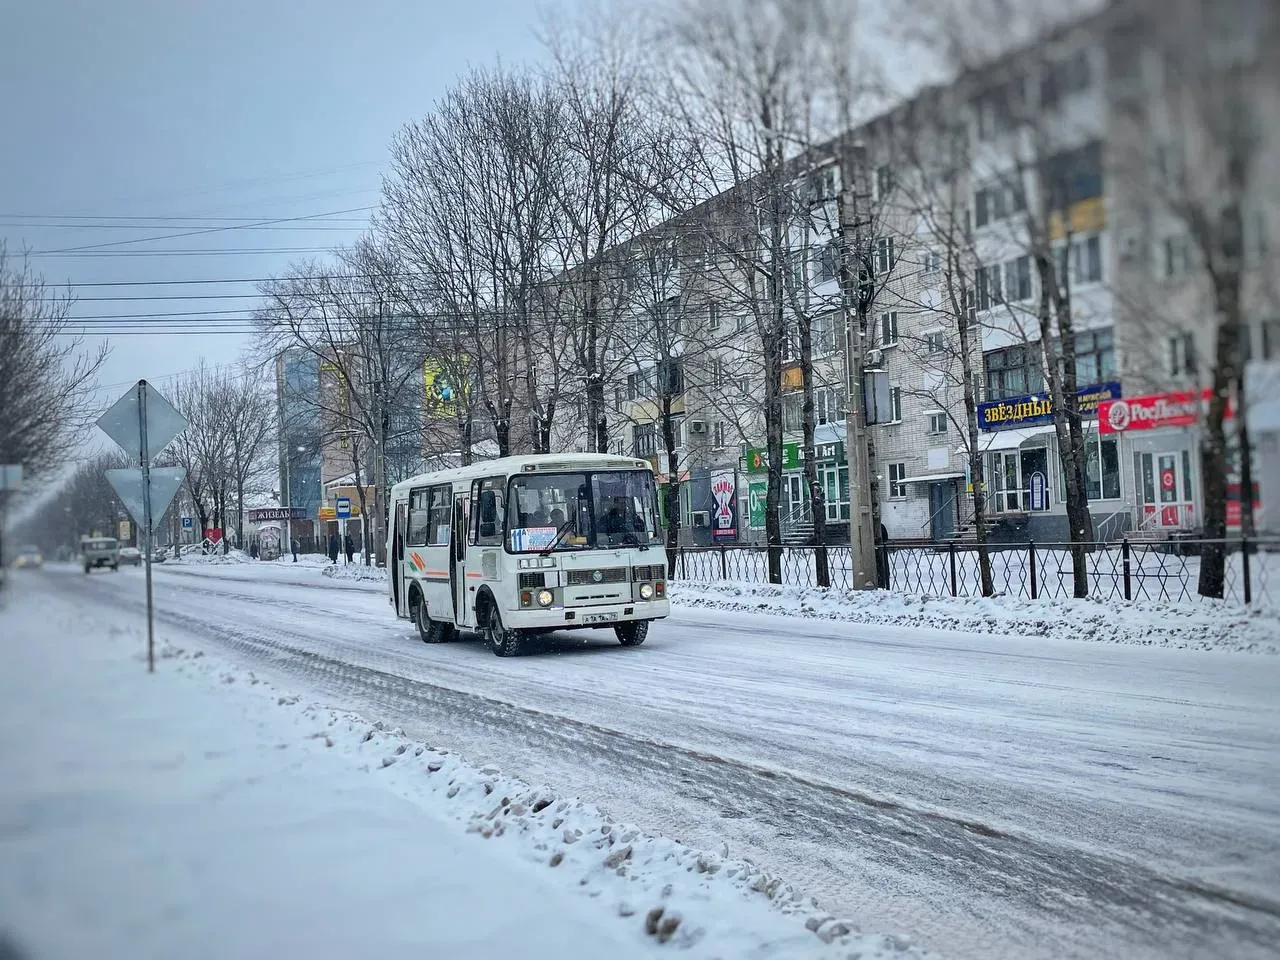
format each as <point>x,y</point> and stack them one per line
<point>994,796</point>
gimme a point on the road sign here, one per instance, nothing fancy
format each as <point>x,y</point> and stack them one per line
<point>188,523</point>
<point>122,423</point>
<point>143,423</point>
<point>165,483</point>
<point>124,529</point>
<point>342,508</point>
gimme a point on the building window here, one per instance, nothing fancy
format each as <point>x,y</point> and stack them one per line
<point>827,265</point>
<point>1175,256</point>
<point>716,372</point>
<point>937,423</point>
<point>990,293</point>
<point>1086,257</point>
<point>671,378</point>
<point>895,404</point>
<point>1013,372</point>
<point>828,405</point>
<point>884,181</point>
<point>1270,339</point>
<point>935,342</point>
<point>884,255</point>
<point>792,412</point>
<point>889,329</point>
<point>1064,78</point>
<point>1095,357</point>
<point>744,386</point>
<point>640,384</point>
<point>717,434</point>
<point>713,317</point>
<point>1074,175</point>
<point>644,439</point>
<point>1182,355</point>
<point>670,318</point>
<point>897,481</point>
<point>1101,469</point>
<point>822,331</point>
<point>932,262</point>
<point>1017,279</point>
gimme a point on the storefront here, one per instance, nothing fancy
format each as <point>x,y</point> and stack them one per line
<point>1162,433</point>
<point>1025,490</point>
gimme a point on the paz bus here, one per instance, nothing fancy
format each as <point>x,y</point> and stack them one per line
<point>528,545</point>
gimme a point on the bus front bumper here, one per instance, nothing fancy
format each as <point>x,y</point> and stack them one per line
<point>606,615</point>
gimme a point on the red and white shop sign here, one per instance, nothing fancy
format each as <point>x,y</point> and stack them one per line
<point>1179,409</point>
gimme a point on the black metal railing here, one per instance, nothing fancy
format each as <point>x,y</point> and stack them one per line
<point>1134,570</point>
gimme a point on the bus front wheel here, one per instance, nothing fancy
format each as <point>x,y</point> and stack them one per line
<point>503,641</point>
<point>632,634</point>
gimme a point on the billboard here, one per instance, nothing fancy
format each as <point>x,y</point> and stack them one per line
<point>724,513</point>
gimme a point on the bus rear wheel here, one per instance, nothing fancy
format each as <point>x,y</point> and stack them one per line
<point>632,634</point>
<point>502,641</point>
<point>431,631</point>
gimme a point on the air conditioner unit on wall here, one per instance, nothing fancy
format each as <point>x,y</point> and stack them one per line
<point>874,358</point>
<point>702,518</point>
<point>697,426</point>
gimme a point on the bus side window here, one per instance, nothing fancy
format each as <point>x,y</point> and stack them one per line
<point>491,512</point>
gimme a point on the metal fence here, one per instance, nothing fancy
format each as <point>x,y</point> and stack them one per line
<point>1167,570</point>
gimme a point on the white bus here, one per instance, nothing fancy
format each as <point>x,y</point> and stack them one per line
<point>528,545</point>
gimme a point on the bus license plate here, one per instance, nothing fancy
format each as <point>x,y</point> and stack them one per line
<point>600,618</point>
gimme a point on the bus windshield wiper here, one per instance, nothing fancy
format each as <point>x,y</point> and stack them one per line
<point>635,540</point>
<point>564,528</point>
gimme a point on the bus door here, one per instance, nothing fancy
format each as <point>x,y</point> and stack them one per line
<point>458,558</point>
<point>401,522</point>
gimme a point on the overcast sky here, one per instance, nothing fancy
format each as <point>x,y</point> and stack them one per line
<point>258,110</point>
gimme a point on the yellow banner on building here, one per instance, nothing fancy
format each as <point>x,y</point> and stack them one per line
<point>439,389</point>
<point>1087,216</point>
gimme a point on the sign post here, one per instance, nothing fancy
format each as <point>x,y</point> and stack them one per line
<point>10,483</point>
<point>143,423</point>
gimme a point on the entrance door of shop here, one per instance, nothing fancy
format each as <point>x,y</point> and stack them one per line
<point>942,510</point>
<point>1165,488</point>
<point>1035,479</point>
<point>797,496</point>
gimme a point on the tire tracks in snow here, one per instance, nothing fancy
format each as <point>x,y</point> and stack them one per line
<point>1165,914</point>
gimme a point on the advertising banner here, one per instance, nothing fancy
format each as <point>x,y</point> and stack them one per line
<point>1036,409</point>
<point>724,514</point>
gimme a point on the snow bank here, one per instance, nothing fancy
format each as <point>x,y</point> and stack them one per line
<point>202,813</point>
<point>1203,625</point>
<point>354,571</point>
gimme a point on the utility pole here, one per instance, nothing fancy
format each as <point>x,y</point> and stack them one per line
<point>854,246</point>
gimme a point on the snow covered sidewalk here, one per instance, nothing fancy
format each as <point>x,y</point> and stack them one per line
<point>197,813</point>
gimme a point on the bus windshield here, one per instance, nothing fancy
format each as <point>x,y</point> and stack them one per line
<point>581,511</point>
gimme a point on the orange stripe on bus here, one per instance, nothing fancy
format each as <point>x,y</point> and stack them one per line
<point>478,576</point>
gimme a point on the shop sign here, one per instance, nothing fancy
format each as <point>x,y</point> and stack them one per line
<point>1035,409</point>
<point>757,491</point>
<point>829,452</point>
<point>1182,408</point>
<point>724,515</point>
<point>266,514</point>
<point>758,459</point>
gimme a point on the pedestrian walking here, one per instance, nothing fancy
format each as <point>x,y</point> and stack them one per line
<point>333,548</point>
<point>253,549</point>
<point>293,547</point>
<point>350,547</point>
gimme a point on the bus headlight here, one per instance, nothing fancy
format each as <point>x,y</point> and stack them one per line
<point>546,598</point>
<point>646,591</point>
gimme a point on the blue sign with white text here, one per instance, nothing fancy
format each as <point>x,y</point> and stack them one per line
<point>1034,409</point>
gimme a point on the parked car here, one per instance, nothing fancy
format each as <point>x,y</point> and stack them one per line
<point>131,556</point>
<point>29,557</point>
<point>99,552</point>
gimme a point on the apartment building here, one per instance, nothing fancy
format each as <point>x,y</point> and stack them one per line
<point>953,188</point>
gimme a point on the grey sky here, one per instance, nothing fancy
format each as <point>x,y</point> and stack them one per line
<point>237,109</point>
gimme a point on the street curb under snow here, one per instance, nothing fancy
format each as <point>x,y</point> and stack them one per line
<point>1185,626</point>
<point>673,893</point>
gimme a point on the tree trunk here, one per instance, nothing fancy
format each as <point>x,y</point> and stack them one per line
<point>1213,441</point>
<point>817,502</point>
<point>977,469</point>
<point>1066,418</point>
<point>672,493</point>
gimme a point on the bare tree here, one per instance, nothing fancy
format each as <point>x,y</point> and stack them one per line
<point>46,374</point>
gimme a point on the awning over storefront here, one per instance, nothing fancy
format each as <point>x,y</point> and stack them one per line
<point>1009,439</point>
<point>934,477</point>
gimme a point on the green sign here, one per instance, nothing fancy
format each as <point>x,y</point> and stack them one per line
<point>828,452</point>
<point>758,459</point>
<point>756,492</point>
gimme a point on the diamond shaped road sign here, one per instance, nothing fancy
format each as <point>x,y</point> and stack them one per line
<point>123,422</point>
<point>165,482</point>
